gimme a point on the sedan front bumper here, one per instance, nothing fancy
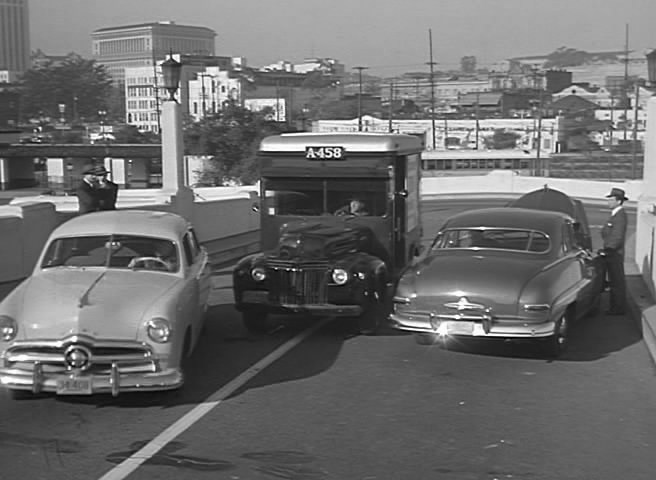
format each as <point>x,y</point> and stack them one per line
<point>458,325</point>
<point>115,382</point>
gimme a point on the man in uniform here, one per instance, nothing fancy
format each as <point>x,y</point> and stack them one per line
<point>613,234</point>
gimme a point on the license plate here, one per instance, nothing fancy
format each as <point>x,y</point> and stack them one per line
<point>255,296</point>
<point>74,386</point>
<point>460,328</point>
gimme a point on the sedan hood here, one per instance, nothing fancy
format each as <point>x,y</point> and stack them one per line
<point>493,280</point>
<point>98,303</point>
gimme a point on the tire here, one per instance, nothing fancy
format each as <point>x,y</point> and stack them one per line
<point>557,344</point>
<point>255,322</point>
<point>185,355</point>
<point>373,318</point>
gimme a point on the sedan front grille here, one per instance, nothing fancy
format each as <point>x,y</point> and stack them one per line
<point>129,356</point>
<point>298,283</point>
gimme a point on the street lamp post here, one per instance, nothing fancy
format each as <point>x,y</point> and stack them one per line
<point>172,146</point>
<point>359,69</point>
<point>102,114</point>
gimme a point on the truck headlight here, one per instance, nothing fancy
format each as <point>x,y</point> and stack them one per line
<point>159,330</point>
<point>8,328</point>
<point>340,276</point>
<point>258,274</point>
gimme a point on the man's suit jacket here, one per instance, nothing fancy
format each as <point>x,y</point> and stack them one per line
<point>614,232</point>
<point>108,192</point>
<point>87,197</point>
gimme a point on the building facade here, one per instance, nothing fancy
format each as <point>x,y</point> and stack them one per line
<point>143,45</point>
<point>14,38</point>
<point>206,83</point>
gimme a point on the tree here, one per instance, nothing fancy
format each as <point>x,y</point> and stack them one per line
<point>231,137</point>
<point>468,64</point>
<point>82,85</point>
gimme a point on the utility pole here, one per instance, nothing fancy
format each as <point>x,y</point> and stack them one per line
<point>478,99</point>
<point>625,90</point>
<point>202,93</point>
<point>432,84</point>
<point>634,146</point>
<point>359,69</point>
<point>391,103</point>
<point>537,152</point>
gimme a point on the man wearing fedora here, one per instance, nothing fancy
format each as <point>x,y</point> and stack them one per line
<point>87,191</point>
<point>613,234</point>
<point>107,190</point>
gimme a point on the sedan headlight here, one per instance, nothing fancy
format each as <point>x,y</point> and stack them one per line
<point>340,276</point>
<point>8,328</point>
<point>258,274</point>
<point>159,330</point>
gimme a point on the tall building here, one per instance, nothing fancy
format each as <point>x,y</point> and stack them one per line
<point>143,45</point>
<point>14,37</point>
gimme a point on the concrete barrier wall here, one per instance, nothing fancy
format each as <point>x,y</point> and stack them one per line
<point>508,182</point>
<point>226,224</point>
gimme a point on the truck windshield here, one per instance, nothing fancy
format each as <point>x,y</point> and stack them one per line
<point>325,196</point>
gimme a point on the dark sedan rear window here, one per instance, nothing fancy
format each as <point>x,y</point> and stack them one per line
<point>498,238</point>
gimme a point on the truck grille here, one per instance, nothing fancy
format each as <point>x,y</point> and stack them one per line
<point>298,283</point>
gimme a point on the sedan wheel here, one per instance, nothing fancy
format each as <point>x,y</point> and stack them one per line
<point>556,344</point>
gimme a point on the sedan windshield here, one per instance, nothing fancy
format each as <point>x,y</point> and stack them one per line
<point>504,239</point>
<point>113,251</point>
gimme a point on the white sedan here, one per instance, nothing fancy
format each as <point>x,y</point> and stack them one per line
<point>115,303</point>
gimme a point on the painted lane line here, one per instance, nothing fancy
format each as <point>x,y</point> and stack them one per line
<point>129,465</point>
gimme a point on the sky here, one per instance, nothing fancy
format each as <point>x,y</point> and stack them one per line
<point>387,36</point>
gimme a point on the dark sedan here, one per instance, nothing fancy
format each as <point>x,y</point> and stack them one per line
<point>499,273</point>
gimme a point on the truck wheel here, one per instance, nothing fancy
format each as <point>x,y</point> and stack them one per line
<point>374,316</point>
<point>255,322</point>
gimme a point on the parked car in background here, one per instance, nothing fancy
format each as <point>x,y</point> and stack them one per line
<point>499,273</point>
<point>115,303</point>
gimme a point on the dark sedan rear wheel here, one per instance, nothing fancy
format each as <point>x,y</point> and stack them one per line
<point>255,321</point>
<point>557,343</point>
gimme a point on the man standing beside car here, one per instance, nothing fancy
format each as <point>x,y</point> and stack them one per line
<point>107,190</point>
<point>613,234</point>
<point>87,191</point>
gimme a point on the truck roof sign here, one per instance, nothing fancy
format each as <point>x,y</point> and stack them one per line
<point>325,153</point>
